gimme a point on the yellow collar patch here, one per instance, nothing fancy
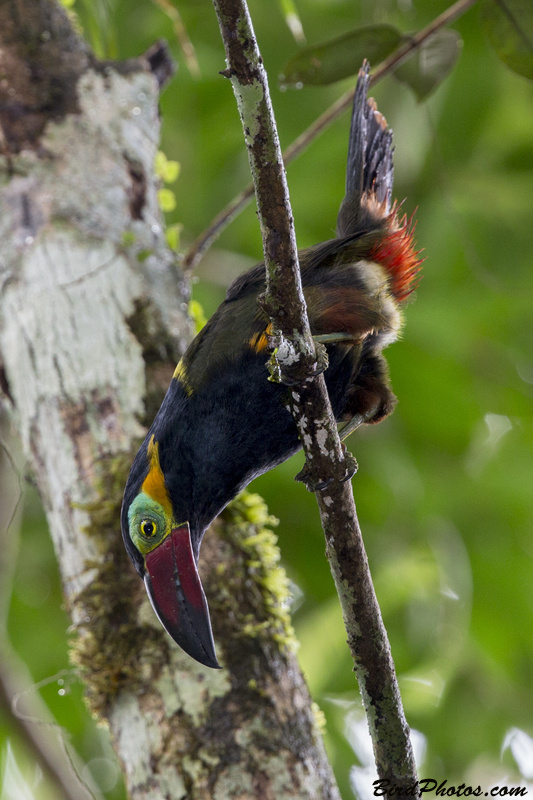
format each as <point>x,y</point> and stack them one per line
<point>154,483</point>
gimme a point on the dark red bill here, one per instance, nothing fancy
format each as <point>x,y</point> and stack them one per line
<point>178,598</point>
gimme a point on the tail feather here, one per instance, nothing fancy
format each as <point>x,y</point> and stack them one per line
<point>370,168</point>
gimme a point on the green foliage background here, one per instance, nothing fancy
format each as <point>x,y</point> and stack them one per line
<point>444,489</point>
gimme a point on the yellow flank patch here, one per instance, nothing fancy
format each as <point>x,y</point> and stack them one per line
<point>154,483</point>
<point>259,341</point>
<point>180,374</point>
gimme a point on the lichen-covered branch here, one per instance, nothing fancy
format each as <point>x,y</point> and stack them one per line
<point>91,327</point>
<point>310,405</point>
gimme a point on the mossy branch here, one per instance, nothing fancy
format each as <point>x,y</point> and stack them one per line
<point>311,409</point>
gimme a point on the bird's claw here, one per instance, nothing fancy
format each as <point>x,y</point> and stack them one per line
<point>347,469</point>
<point>304,476</point>
<point>350,466</point>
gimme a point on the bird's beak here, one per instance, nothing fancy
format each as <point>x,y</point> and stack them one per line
<point>177,595</point>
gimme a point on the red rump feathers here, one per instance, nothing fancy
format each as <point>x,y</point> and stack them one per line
<point>395,251</point>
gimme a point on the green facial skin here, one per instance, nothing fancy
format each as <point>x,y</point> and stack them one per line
<point>148,523</point>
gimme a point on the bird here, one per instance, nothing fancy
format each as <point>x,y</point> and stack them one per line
<point>222,422</point>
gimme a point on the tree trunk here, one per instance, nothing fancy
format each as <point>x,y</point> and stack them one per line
<point>92,321</point>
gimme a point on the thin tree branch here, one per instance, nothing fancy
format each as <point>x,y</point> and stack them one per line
<point>203,242</point>
<point>311,407</point>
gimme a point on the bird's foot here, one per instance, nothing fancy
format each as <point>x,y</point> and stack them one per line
<point>346,470</point>
<point>350,465</point>
<point>305,477</point>
<point>290,365</point>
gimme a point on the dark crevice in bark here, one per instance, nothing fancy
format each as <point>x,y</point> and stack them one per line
<point>41,61</point>
<point>137,191</point>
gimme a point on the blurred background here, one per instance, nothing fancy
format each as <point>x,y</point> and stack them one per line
<point>444,490</point>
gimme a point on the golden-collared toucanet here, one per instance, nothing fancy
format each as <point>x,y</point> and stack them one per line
<point>223,423</point>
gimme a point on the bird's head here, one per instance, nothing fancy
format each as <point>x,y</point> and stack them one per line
<point>159,544</point>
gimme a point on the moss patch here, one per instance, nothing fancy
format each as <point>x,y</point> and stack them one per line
<point>250,529</point>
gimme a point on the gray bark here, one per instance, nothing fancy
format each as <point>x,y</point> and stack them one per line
<point>92,322</point>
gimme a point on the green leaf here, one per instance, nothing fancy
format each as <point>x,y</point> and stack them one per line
<point>197,313</point>
<point>341,57</point>
<point>167,170</point>
<point>172,171</point>
<point>128,238</point>
<point>172,235</point>
<point>429,65</point>
<point>167,200</point>
<point>509,27</point>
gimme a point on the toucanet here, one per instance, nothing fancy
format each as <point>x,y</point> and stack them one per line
<point>223,423</point>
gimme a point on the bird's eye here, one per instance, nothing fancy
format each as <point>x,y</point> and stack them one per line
<point>148,523</point>
<point>148,528</point>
